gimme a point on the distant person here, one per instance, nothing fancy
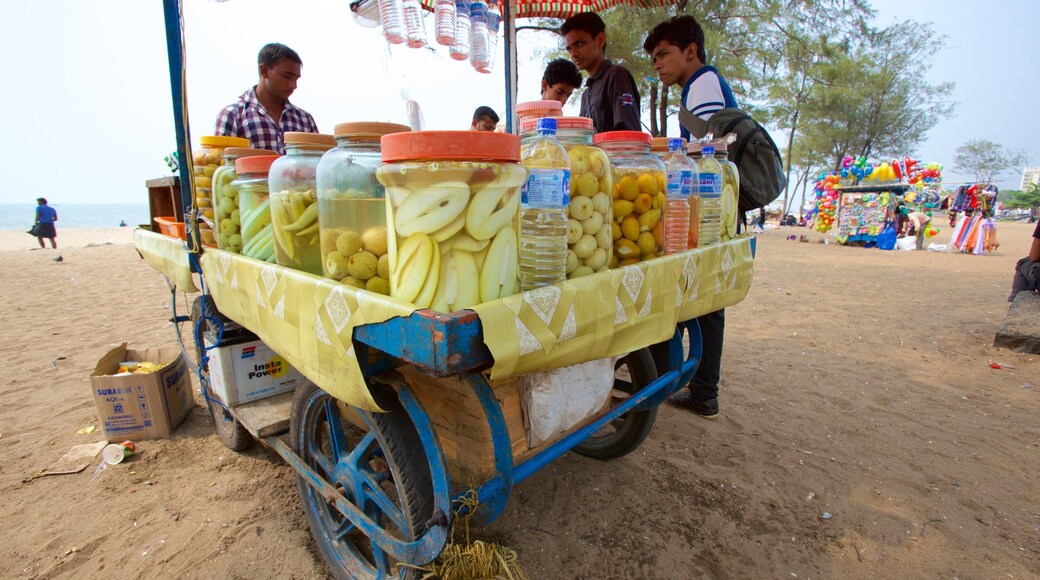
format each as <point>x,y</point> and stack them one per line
<point>919,223</point>
<point>44,225</point>
<point>762,217</point>
<point>610,99</point>
<point>484,119</point>
<point>263,113</point>
<point>559,80</point>
<point>1027,270</point>
<point>122,223</point>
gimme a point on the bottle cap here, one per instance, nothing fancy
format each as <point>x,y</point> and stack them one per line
<point>708,150</point>
<point>675,144</point>
<point>547,126</point>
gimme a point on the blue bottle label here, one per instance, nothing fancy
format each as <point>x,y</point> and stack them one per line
<point>711,185</point>
<point>680,184</point>
<point>547,188</point>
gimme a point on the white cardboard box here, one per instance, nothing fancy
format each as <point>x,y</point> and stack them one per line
<point>244,372</point>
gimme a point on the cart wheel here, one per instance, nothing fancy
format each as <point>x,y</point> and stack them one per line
<point>230,432</point>
<point>383,472</point>
<point>624,434</point>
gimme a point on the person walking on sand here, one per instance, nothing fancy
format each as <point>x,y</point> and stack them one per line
<point>44,227</point>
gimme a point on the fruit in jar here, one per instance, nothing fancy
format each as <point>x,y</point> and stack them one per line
<point>348,243</point>
<point>637,213</point>
<point>362,265</point>
<point>378,284</point>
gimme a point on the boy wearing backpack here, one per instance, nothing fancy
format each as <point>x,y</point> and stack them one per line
<point>676,48</point>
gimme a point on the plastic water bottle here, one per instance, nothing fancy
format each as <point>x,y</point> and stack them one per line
<point>478,43</point>
<point>459,50</point>
<point>543,209</point>
<point>415,29</point>
<point>494,25</point>
<point>391,17</point>
<point>444,22</point>
<point>679,176</point>
<point>711,194</point>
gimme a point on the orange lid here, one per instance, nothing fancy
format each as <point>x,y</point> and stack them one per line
<point>222,141</point>
<point>237,152</point>
<point>369,129</point>
<point>532,106</point>
<point>529,124</point>
<point>450,145</point>
<point>315,140</point>
<point>619,136</point>
<point>255,164</point>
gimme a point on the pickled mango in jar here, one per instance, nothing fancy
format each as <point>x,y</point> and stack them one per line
<point>639,202</point>
<point>590,217</point>
<point>294,219</point>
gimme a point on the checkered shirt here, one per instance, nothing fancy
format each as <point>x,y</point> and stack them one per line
<point>248,118</point>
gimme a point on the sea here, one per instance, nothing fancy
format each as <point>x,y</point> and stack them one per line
<point>20,216</point>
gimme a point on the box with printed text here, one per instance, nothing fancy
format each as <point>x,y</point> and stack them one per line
<point>247,371</point>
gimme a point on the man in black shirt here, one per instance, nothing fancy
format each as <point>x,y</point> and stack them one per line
<point>610,99</point>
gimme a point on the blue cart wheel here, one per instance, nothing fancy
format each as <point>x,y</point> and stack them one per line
<point>230,432</point>
<point>624,434</point>
<point>383,471</point>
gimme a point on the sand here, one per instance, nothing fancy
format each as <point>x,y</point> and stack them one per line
<point>857,383</point>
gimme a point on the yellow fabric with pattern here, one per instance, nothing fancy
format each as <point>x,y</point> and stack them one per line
<point>169,256</point>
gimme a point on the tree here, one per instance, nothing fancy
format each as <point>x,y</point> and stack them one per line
<point>985,160</point>
<point>1028,199</point>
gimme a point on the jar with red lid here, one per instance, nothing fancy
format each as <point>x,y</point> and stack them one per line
<point>638,199</point>
<point>530,111</point>
<point>453,201</point>
<point>254,206</point>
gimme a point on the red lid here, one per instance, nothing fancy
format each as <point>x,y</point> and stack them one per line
<point>255,164</point>
<point>619,136</point>
<point>530,124</point>
<point>450,145</point>
<point>529,106</point>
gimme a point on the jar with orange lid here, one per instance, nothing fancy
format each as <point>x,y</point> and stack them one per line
<point>294,201</point>
<point>589,229</point>
<point>205,161</point>
<point>254,206</point>
<point>532,111</point>
<point>227,218</point>
<point>638,199</point>
<point>352,207</point>
<point>453,201</point>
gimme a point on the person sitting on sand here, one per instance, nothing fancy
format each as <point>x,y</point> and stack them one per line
<point>1027,270</point>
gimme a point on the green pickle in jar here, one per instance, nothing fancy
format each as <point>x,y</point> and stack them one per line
<point>352,208</point>
<point>250,187</point>
<point>227,216</point>
<point>294,201</point>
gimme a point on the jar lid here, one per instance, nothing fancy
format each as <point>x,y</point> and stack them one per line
<point>369,129</point>
<point>255,164</point>
<point>530,106</point>
<point>247,152</point>
<point>451,145</point>
<point>318,140</point>
<point>222,141</point>
<point>529,125</point>
<point>620,136</point>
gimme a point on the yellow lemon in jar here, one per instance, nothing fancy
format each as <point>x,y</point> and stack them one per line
<point>625,249</point>
<point>630,228</point>
<point>646,243</point>
<point>588,185</point>
<point>647,183</point>
<point>628,188</point>
<point>615,231</point>
<point>661,182</point>
<point>642,203</point>
<point>622,208</point>
<point>579,161</point>
<point>648,220</point>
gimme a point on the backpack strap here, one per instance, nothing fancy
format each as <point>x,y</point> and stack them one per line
<point>695,125</point>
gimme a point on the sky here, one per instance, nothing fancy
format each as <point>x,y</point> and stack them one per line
<point>90,117</point>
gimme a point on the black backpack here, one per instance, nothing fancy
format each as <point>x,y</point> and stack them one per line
<point>762,176</point>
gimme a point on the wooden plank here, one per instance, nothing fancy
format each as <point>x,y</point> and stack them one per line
<point>266,417</point>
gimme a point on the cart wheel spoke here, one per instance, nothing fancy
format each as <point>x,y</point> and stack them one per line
<point>335,428</point>
<point>344,528</point>
<point>379,559</point>
<point>375,494</point>
<point>324,464</point>
<point>362,452</point>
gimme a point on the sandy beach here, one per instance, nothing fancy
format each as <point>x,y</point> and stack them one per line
<point>863,434</point>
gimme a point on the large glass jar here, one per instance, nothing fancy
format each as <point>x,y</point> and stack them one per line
<point>638,198</point>
<point>453,199</point>
<point>590,215</point>
<point>352,207</point>
<point>294,201</point>
<point>227,218</point>
<point>254,206</point>
<point>730,192</point>
<point>205,161</point>
<point>528,112</point>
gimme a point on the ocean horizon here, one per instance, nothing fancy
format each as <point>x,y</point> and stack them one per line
<point>20,216</point>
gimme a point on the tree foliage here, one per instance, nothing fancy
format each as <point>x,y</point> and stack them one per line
<point>985,160</point>
<point>1028,199</point>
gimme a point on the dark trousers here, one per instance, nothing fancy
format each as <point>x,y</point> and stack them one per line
<point>705,382</point>
<point>1027,277</point>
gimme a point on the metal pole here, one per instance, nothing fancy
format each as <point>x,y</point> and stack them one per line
<point>175,52</point>
<point>509,49</point>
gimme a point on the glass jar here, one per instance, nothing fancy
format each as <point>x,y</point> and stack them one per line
<point>352,207</point>
<point>730,192</point>
<point>227,219</point>
<point>205,161</point>
<point>589,230</point>
<point>530,111</point>
<point>453,199</point>
<point>638,197</point>
<point>254,206</point>
<point>294,201</point>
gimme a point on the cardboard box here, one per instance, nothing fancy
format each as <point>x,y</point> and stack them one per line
<point>141,406</point>
<point>247,371</point>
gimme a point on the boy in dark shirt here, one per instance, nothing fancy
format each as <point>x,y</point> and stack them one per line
<point>610,99</point>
